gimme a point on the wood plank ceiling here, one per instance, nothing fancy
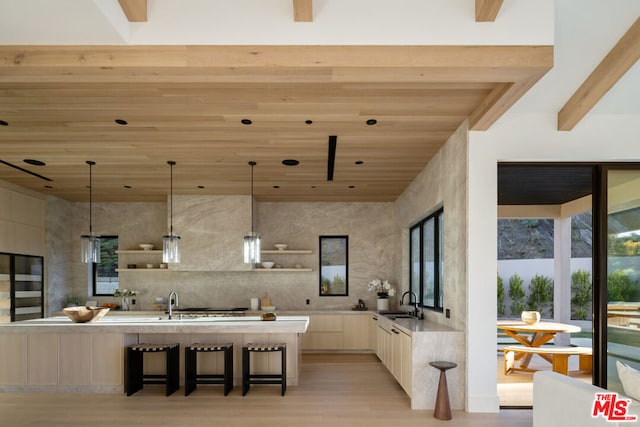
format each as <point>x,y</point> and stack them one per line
<point>59,105</point>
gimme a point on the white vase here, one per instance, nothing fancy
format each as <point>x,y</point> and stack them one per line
<point>125,304</point>
<point>382,304</point>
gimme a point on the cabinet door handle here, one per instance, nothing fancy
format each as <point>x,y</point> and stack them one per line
<point>394,331</point>
<point>375,318</point>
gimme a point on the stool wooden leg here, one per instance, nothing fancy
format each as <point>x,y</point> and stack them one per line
<point>190,370</point>
<point>173,370</point>
<point>228,370</point>
<point>442,409</point>
<point>245,371</point>
<point>134,372</point>
<point>283,354</point>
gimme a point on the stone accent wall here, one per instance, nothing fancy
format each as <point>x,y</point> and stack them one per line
<point>442,183</point>
<point>373,252</point>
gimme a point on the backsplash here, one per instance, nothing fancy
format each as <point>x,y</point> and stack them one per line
<point>373,252</point>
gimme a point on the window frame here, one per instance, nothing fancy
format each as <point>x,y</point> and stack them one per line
<point>437,264</point>
<point>93,269</point>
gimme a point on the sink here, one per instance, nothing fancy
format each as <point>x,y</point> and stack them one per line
<point>398,315</point>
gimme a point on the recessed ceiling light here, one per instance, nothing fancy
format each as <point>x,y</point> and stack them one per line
<point>121,122</point>
<point>359,162</point>
<point>308,122</point>
<point>34,162</point>
<point>372,122</point>
<point>246,121</point>
<point>127,186</point>
<point>290,162</point>
<point>3,123</point>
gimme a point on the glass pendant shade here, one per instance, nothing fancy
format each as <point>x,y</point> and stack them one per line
<point>90,248</point>
<point>170,242</point>
<point>90,243</point>
<point>170,250</point>
<point>252,248</point>
<point>252,240</point>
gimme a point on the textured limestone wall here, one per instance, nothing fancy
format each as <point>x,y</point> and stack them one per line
<point>442,183</point>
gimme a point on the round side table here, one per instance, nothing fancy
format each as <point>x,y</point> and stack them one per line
<point>442,410</point>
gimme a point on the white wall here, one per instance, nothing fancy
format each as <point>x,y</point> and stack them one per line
<point>260,22</point>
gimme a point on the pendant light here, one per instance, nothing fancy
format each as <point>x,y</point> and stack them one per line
<point>170,250</point>
<point>90,243</point>
<point>252,240</point>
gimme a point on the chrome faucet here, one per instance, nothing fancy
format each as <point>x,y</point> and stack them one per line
<point>172,294</point>
<point>415,301</point>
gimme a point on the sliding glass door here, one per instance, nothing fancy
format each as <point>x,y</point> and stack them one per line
<point>622,273</point>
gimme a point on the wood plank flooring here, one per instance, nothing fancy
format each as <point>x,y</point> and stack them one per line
<point>334,390</point>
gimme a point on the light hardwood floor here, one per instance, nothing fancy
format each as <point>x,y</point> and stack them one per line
<point>334,390</point>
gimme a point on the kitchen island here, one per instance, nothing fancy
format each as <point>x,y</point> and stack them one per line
<point>55,354</point>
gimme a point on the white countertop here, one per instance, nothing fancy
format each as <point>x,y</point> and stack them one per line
<point>160,324</point>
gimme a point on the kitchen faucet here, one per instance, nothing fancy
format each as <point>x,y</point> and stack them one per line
<point>171,295</point>
<point>415,302</point>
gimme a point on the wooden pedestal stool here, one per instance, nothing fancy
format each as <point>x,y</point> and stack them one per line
<point>442,410</point>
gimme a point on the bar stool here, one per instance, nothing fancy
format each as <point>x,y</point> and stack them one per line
<point>191,376</point>
<point>135,367</point>
<point>442,409</point>
<point>248,378</point>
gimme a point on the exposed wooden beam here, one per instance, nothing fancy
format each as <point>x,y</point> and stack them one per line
<point>487,10</point>
<point>136,10</point>
<point>501,98</point>
<point>617,62</point>
<point>303,10</point>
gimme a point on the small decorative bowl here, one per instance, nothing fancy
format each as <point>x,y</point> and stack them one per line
<point>84,314</point>
<point>146,246</point>
<point>268,264</point>
<point>281,246</point>
<point>530,317</point>
<point>268,316</point>
<point>269,308</point>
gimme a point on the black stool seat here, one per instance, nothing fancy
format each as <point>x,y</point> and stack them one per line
<point>191,376</point>
<point>442,409</point>
<point>248,378</point>
<point>135,377</point>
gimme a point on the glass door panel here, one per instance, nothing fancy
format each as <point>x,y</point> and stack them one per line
<point>623,273</point>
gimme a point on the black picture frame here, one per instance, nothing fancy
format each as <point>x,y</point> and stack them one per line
<point>334,266</point>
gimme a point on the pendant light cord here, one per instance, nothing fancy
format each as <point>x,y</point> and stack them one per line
<point>90,163</point>
<point>171,163</point>
<point>252,164</point>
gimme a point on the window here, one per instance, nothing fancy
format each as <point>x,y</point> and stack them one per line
<point>426,255</point>
<point>104,277</point>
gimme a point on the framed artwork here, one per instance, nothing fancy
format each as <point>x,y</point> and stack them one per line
<point>334,266</point>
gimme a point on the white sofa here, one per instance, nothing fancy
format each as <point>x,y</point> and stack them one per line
<point>562,401</point>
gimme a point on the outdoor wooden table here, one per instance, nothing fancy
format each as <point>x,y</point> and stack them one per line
<point>542,332</point>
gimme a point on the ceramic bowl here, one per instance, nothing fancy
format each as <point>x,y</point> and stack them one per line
<point>268,264</point>
<point>268,308</point>
<point>530,317</point>
<point>281,246</point>
<point>84,314</point>
<point>146,246</point>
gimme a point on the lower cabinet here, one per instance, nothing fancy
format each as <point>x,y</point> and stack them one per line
<point>62,360</point>
<point>406,365</point>
<point>394,349</point>
<point>337,332</point>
